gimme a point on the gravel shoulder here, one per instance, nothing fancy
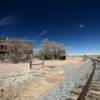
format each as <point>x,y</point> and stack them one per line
<point>62,90</point>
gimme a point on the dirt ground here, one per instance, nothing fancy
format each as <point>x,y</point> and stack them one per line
<point>53,77</point>
<point>52,74</point>
<point>10,68</point>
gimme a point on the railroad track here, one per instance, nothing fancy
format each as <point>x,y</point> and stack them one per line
<point>88,89</point>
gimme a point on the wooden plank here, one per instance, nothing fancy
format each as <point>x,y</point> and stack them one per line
<point>30,67</point>
<point>73,97</point>
<point>76,91</point>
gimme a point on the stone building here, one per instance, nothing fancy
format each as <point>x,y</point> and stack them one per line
<point>15,49</point>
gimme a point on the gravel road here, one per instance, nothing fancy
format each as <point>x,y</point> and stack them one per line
<point>62,90</point>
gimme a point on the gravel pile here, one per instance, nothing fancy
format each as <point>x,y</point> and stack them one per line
<point>63,89</point>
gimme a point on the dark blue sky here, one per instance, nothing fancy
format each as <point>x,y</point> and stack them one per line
<point>76,23</point>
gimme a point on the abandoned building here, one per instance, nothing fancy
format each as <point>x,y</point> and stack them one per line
<point>15,49</point>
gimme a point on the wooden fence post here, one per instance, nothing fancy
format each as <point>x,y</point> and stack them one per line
<point>84,58</point>
<point>43,63</point>
<point>30,67</point>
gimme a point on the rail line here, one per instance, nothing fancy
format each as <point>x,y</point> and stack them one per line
<point>89,89</point>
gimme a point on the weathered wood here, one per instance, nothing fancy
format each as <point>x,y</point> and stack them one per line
<point>37,64</point>
<point>95,88</point>
<point>84,58</point>
<point>30,67</point>
<point>95,85</point>
<point>42,63</point>
<point>95,92</point>
<point>73,97</point>
<point>95,82</point>
<point>76,91</point>
<point>82,84</point>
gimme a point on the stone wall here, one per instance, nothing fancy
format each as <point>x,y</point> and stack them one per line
<point>16,50</point>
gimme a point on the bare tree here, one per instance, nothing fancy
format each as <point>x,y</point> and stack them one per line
<point>52,50</point>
